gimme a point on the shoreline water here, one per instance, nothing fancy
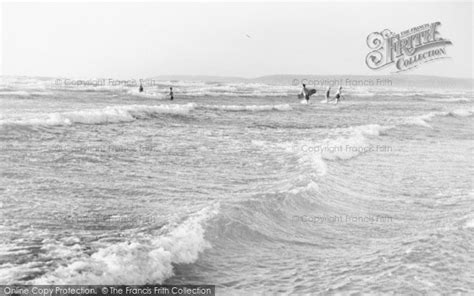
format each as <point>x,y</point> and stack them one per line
<point>211,195</point>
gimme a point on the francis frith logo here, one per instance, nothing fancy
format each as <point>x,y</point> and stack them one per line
<point>408,49</point>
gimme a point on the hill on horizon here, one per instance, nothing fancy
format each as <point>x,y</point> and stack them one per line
<point>394,80</point>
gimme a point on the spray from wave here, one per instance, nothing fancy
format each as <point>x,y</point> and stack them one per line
<point>148,260</point>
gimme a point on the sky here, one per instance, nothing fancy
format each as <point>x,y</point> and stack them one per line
<point>124,40</point>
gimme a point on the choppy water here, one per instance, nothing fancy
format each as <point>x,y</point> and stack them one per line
<point>237,185</point>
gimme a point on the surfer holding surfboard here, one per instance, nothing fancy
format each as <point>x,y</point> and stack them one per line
<point>339,95</point>
<point>306,93</point>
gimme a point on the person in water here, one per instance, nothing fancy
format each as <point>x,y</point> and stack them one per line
<point>140,89</point>
<point>328,94</point>
<point>171,94</point>
<point>305,93</point>
<point>339,95</point>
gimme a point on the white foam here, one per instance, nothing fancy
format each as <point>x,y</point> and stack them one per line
<point>111,114</point>
<point>462,112</point>
<point>148,94</point>
<point>20,93</point>
<point>423,120</point>
<point>343,147</point>
<point>241,90</point>
<point>255,108</point>
<point>469,223</point>
<point>361,94</point>
<point>352,143</point>
<point>316,162</point>
<point>346,144</point>
<point>311,187</point>
<point>451,100</point>
<point>146,261</point>
<point>370,129</point>
<point>9,273</point>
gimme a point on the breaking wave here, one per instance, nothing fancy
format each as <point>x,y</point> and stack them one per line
<point>127,113</point>
<point>256,108</point>
<point>347,143</point>
<point>350,142</point>
<point>451,100</point>
<point>423,120</point>
<point>148,260</point>
<point>113,114</point>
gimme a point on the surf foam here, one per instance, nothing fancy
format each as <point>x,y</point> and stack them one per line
<point>111,114</point>
<point>255,108</point>
<point>423,120</point>
<point>146,261</point>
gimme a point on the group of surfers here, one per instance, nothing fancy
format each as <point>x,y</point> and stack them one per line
<point>306,93</point>
<point>171,94</point>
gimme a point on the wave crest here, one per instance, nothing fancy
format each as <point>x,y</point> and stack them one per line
<point>256,108</point>
<point>423,120</point>
<point>148,261</point>
<point>112,114</point>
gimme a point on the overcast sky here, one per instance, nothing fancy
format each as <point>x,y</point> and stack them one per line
<point>127,40</point>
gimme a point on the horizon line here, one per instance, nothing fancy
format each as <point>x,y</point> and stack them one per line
<point>258,77</point>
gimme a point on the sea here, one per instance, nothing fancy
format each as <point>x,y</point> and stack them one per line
<point>237,184</point>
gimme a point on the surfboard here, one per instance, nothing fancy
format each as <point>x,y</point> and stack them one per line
<point>310,92</point>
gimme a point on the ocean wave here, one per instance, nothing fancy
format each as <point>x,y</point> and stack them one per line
<point>311,186</point>
<point>111,114</point>
<point>255,108</point>
<point>125,113</point>
<point>195,89</point>
<point>238,90</point>
<point>362,94</point>
<point>451,100</point>
<point>469,224</point>
<point>347,143</point>
<point>461,112</point>
<point>148,94</point>
<point>353,142</point>
<point>422,120</point>
<point>146,261</point>
<point>20,93</point>
<point>344,144</point>
<point>23,93</point>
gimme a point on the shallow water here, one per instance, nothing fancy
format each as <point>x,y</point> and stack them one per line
<point>238,185</point>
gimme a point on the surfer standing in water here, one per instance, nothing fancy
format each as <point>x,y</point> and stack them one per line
<point>171,94</point>
<point>140,89</point>
<point>328,94</point>
<point>339,95</point>
<point>305,93</point>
